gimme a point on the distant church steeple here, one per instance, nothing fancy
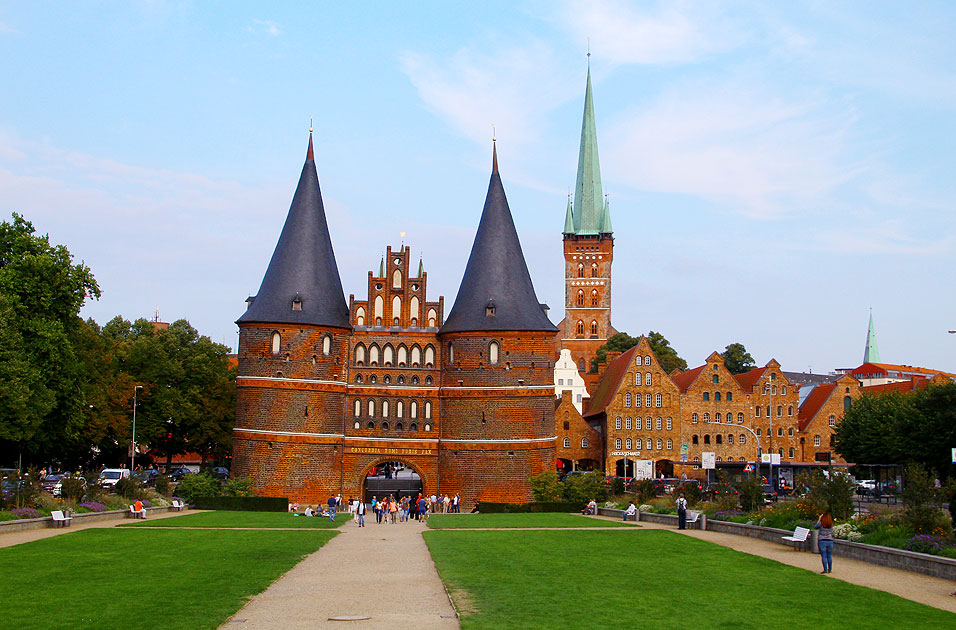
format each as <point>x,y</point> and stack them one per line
<point>590,215</point>
<point>872,352</point>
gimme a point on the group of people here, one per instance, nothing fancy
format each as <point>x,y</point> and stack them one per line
<point>320,510</point>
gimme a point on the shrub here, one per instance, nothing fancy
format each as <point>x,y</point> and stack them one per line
<point>73,488</point>
<point>751,493</point>
<point>198,485</point>
<point>25,512</point>
<point>927,543</point>
<point>691,491</point>
<point>128,488</point>
<point>831,493</point>
<point>238,487</point>
<point>645,490</point>
<point>847,531</point>
<point>918,512</point>
<point>644,508</point>
<point>250,504</point>
<point>545,487</point>
<point>584,488</point>
<point>162,485</point>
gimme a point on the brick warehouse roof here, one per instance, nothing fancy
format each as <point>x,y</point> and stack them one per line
<point>496,277</point>
<point>609,384</point>
<point>812,404</point>
<point>303,265</point>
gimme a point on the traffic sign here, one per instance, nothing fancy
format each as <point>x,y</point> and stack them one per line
<point>748,468</point>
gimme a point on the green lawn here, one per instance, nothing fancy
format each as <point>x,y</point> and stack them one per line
<point>223,518</point>
<point>649,579</point>
<point>517,521</point>
<point>114,578</point>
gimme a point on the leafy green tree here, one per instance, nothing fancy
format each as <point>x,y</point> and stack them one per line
<point>870,430</point>
<point>622,342</point>
<point>751,493</point>
<point>737,359</point>
<point>238,487</point>
<point>546,487</point>
<point>583,488</point>
<point>41,293</point>
<point>199,485</point>
<point>919,497</point>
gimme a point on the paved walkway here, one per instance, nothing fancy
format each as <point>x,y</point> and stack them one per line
<point>921,588</point>
<point>381,574</point>
<point>8,539</point>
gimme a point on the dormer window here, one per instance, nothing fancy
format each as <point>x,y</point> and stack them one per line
<point>490,309</point>
<point>297,303</point>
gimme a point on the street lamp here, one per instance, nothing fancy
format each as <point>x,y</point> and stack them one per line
<point>752,432</point>
<point>132,446</point>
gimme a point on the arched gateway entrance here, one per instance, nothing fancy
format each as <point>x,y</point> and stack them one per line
<point>391,478</point>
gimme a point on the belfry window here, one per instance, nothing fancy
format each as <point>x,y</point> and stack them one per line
<point>594,270</point>
<point>327,345</point>
<point>594,328</point>
<point>580,327</point>
<point>276,342</point>
<point>493,350</point>
<point>594,298</point>
<point>580,299</point>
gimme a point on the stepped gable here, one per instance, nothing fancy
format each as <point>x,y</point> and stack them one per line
<point>496,292</point>
<point>302,284</point>
<point>610,382</point>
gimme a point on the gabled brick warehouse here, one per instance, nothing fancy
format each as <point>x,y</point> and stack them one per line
<point>328,390</point>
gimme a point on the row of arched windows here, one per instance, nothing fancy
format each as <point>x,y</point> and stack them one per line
<point>584,443</point>
<point>370,408</point>
<point>729,397</point>
<point>639,424</point>
<point>638,444</point>
<point>384,425</point>
<point>648,379</point>
<point>718,418</point>
<point>719,439</point>
<point>372,379</point>
<point>580,327</point>
<point>779,411</point>
<point>388,356</point>
<point>378,312</point>
<point>594,270</point>
<point>595,298</point>
<point>648,400</point>
<point>277,343</point>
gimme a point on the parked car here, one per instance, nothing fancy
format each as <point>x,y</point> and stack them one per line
<point>178,474</point>
<point>219,472</point>
<point>110,476</point>
<point>146,477</point>
<point>769,494</point>
<point>53,483</point>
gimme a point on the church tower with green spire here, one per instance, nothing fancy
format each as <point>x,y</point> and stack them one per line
<point>588,252</point>
<point>871,354</point>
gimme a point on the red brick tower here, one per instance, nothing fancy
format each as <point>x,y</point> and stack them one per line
<point>293,359</point>
<point>497,368</point>
<point>588,252</point>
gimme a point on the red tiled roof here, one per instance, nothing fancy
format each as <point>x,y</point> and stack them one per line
<point>747,380</point>
<point>902,387</point>
<point>812,404</point>
<point>686,379</point>
<point>867,368</point>
<point>603,394</point>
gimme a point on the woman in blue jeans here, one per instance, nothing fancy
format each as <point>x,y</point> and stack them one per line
<point>825,541</point>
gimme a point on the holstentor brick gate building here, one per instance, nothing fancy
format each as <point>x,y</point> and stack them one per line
<point>327,390</point>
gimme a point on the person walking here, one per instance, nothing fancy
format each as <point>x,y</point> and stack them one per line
<point>392,509</point>
<point>332,502</point>
<point>681,512</point>
<point>422,508</point>
<point>360,513</point>
<point>456,504</point>
<point>825,541</point>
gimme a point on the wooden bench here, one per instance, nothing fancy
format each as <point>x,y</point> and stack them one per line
<point>134,514</point>
<point>59,518</point>
<point>800,535</point>
<point>178,505</point>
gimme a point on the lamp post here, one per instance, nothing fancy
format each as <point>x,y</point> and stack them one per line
<point>771,410</point>
<point>132,445</point>
<point>756,440</point>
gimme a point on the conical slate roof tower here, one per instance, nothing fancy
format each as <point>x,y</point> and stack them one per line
<point>496,292</point>
<point>302,284</point>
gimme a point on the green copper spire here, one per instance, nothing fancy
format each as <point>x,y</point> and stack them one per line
<point>421,267</point>
<point>381,268</point>
<point>872,352</point>
<point>569,219</point>
<point>606,218</point>
<point>588,204</point>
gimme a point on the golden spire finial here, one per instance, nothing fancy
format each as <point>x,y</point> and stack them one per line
<point>589,49</point>
<point>310,124</point>
<point>494,134</point>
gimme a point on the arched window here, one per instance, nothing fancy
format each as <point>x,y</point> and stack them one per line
<point>397,279</point>
<point>729,397</point>
<point>413,410</point>
<point>493,349</point>
<point>384,408</point>
<point>379,307</point>
<point>371,409</point>
<point>627,444</point>
<point>790,410</point>
<point>627,399</point>
<point>388,355</point>
<point>832,421</point>
<point>594,270</point>
<point>594,298</point>
<point>451,353</point>
<point>416,356</point>
<point>401,379</point>
<point>740,418</point>
<point>693,439</point>
<point>779,411</point>
<point>429,356</point>
<point>372,379</point>
<point>790,453</point>
<point>617,443</point>
<point>790,432</point>
<point>847,401</point>
<point>584,442</point>
<point>396,308</point>
<point>706,417</point>
<point>370,425</point>
<point>428,411</point>
<point>647,359</point>
<point>358,408</point>
<point>617,423</point>
<point>358,378</point>
<point>360,316</point>
<point>660,400</point>
<point>413,308</point>
<point>660,444</point>
<point>670,444</point>
<point>743,438</point>
<point>373,354</point>
<point>387,380</point>
<point>647,379</point>
<point>580,327</point>
<point>402,355</point>
<point>276,342</point>
<point>415,380</point>
<point>706,439</point>
<point>581,365</point>
<point>359,354</point>
<point>579,301</point>
<point>399,409</point>
<point>432,317</point>
<point>716,396</point>
<point>627,424</point>
<point>694,418</point>
<point>567,442</point>
<point>399,426</point>
<point>429,380</point>
<point>594,327</point>
<point>659,424</point>
<point>384,426</point>
<point>706,396</point>
<point>816,440</point>
<point>730,438</point>
<point>413,426</point>
<point>669,424</point>
<point>638,444</point>
<point>581,271</point>
<point>640,423</point>
<point>327,345</point>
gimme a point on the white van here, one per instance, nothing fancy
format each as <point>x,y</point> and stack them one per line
<point>110,476</point>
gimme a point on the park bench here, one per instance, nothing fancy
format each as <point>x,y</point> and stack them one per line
<point>133,513</point>
<point>692,517</point>
<point>59,518</point>
<point>800,535</point>
<point>178,505</point>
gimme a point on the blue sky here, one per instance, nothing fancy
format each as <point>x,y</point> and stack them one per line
<point>774,169</point>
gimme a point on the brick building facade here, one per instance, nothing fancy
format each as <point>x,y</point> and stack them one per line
<point>327,390</point>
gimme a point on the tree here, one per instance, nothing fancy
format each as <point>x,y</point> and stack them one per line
<point>41,293</point>
<point>622,342</point>
<point>546,486</point>
<point>919,497</point>
<point>737,359</point>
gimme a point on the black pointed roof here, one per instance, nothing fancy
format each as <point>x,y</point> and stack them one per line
<point>496,276</point>
<point>303,265</point>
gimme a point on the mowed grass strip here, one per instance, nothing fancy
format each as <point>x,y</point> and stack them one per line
<point>111,578</point>
<point>517,521</point>
<point>649,579</point>
<point>226,518</point>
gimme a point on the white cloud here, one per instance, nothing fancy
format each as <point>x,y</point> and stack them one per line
<point>266,26</point>
<point>887,237</point>
<point>733,143</point>
<point>671,32</point>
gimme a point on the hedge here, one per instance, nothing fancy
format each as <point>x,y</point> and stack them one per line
<point>245,504</point>
<point>486,507</point>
